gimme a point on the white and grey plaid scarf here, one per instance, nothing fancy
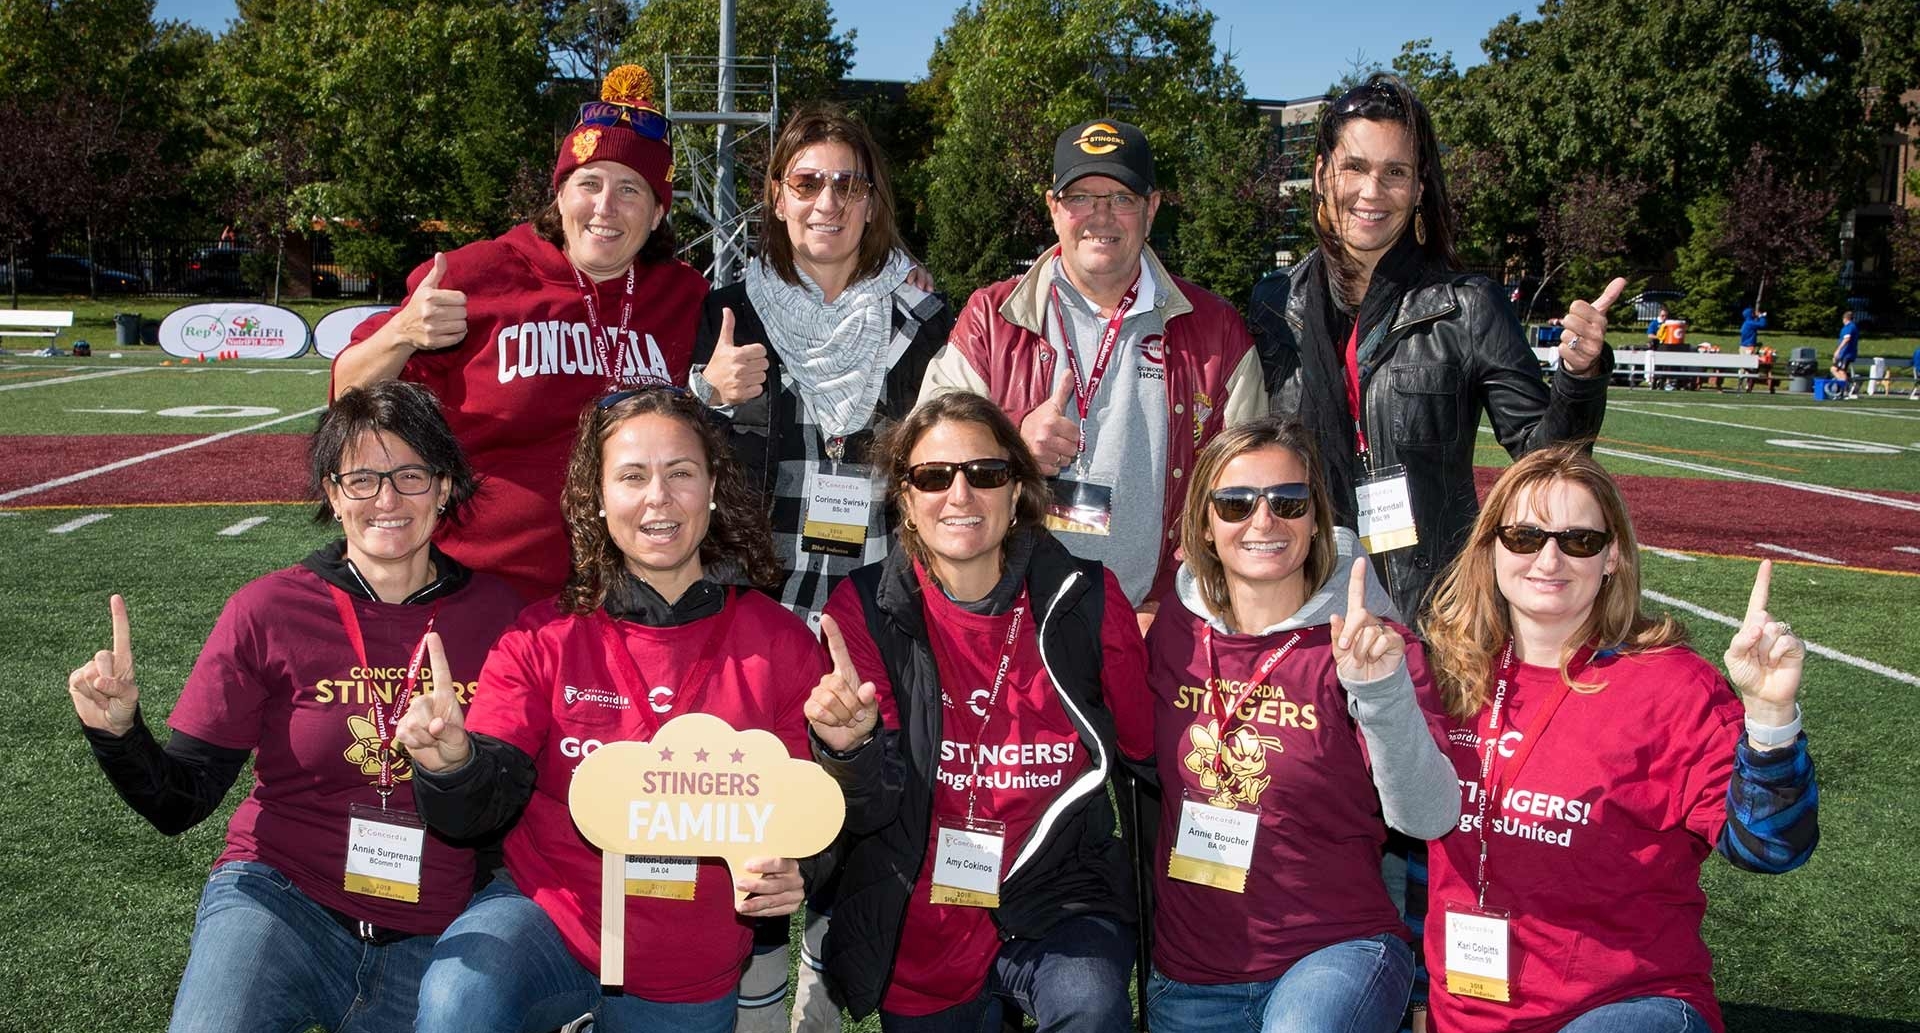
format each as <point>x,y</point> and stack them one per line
<point>832,350</point>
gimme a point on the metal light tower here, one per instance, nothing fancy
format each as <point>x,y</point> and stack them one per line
<point>738,97</point>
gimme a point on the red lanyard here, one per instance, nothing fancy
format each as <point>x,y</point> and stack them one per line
<point>383,717</point>
<point>1229,704</point>
<point>1087,386</point>
<point>1492,783</point>
<point>999,682</point>
<point>1353,385</point>
<point>599,329</point>
<point>695,683</point>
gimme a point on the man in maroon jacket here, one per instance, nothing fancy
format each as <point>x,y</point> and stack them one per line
<point>1116,370</point>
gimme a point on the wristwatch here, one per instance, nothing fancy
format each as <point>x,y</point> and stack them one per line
<point>1770,737</point>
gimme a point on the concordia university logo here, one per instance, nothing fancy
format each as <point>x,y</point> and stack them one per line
<point>574,694</point>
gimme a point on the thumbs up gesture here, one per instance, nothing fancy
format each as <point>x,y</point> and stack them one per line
<point>1050,432</point>
<point>434,730</point>
<point>1363,648</point>
<point>436,315</point>
<point>1586,330</point>
<point>738,372</point>
<point>841,710</point>
<point>102,688</point>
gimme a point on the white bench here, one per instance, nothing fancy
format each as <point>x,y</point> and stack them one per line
<point>1648,363</point>
<point>32,322</point>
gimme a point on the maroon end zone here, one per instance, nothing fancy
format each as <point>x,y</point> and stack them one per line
<point>1731,518</point>
<point>242,468</point>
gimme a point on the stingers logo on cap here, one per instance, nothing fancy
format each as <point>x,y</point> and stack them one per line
<point>584,144</point>
<point>1099,138</point>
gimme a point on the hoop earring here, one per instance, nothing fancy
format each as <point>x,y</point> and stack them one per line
<point>1419,227</point>
<point>907,522</point>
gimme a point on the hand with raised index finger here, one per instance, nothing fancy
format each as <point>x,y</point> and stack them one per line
<point>434,728</point>
<point>1765,658</point>
<point>1051,434</point>
<point>1364,649</point>
<point>842,709</point>
<point>103,691</point>
<point>1585,331</point>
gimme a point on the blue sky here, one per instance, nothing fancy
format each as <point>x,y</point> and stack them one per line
<point>1285,48</point>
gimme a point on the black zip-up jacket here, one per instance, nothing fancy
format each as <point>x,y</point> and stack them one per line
<point>1071,864</point>
<point>1451,349</point>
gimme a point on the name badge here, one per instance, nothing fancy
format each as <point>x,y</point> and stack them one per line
<point>668,878</point>
<point>1215,845</point>
<point>1080,506</point>
<point>1477,954</point>
<point>966,862</point>
<point>838,509</point>
<point>1385,511</point>
<point>384,850</point>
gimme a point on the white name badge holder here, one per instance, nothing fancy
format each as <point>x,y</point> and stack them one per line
<point>966,861</point>
<point>1384,510</point>
<point>1081,503</point>
<point>665,878</point>
<point>839,505</point>
<point>1478,955</point>
<point>384,853</point>
<point>1215,844</point>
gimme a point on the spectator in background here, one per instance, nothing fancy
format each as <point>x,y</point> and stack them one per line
<point>1752,321</point>
<point>1653,327</point>
<point>1845,353</point>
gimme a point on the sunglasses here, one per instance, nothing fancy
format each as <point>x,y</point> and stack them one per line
<point>1370,101</point>
<point>608,401</point>
<point>1285,501</point>
<point>981,473</point>
<point>1578,542</point>
<point>805,186</point>
<point>646,122</point>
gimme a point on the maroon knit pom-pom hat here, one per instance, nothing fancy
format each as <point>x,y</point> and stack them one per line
<point>624,125</point>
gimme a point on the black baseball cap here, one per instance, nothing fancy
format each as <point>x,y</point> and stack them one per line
<point>1104,147</point>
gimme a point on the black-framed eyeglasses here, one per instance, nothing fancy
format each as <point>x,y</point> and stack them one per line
<point>1123,201</point>
<point>1286,501</point>
<point>365,484</point>
<point>806,185</point>
<point>648,123</point>
<point>1578,542</point>
<point>980,473</point>
<point>1370,100</point>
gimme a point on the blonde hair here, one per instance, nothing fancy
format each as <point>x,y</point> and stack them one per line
<point>1469,621</point>
<point>1230,444</point>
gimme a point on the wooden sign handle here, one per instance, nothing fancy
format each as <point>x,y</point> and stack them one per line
<point>613,921</point>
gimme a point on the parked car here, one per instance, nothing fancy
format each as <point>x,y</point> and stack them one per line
<point>224,271</point>
<point>1646,304</point>
<point>67,274</point>
<point>6,277</point>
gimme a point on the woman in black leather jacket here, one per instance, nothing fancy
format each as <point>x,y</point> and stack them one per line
<point>1381,297</point>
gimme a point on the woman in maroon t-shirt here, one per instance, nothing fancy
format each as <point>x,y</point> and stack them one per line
<point>979,675</point>
<point>1289,737</point>
<point>1600,761</point>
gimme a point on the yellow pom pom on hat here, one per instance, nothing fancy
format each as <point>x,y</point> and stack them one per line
<point>625,125</point>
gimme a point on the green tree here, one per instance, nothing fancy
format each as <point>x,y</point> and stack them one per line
<point>813,58</point>
<point>1706,274</point>
<point>1017,72</point>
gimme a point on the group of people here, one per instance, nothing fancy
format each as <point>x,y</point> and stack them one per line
<point>818,503</point>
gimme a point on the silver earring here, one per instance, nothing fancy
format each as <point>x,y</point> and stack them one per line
<point>711,506</point>
<point>603,512</point>
<point>443,507</point>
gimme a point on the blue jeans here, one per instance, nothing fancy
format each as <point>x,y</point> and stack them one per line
<point>1355,985</point>
<point>501,967</point>
<point>266,957</point>
<point>1640,1015</point>
<point>1072,980</point>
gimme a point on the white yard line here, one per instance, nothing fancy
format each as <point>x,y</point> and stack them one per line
<point>1888,413</point>
<point>1754,478</point>
<point>1766,430</point>
<point>1797,554</point>
<point>23,385</point>
<point>78,522</point>
<point>1907,549</point>
<point>122,464</point>
<point>1812,647</point>
<point>1670,554</point>
<point>115,412</point>
<point>243,526</point>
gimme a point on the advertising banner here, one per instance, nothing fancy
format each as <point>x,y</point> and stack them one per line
<point>241,330</point>
<point>331,333</point>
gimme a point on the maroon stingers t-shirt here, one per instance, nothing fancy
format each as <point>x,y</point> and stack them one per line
<point>513,389</point>
<point>1029,754</point>
<point>278,677</point>
<point>1315,879</point>
<point>553,689</point>
<point>1597,846</point>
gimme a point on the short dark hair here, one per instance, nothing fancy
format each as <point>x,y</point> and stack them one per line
<point>408,412</point>
<point>1030,508</point>
<point>827,124</point>
<point>739,531</point>
<point>661,244</point>
<point>1385,98</point>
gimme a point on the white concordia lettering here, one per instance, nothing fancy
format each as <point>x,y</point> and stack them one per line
<point>558,347</point>
<point>574,694</point>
